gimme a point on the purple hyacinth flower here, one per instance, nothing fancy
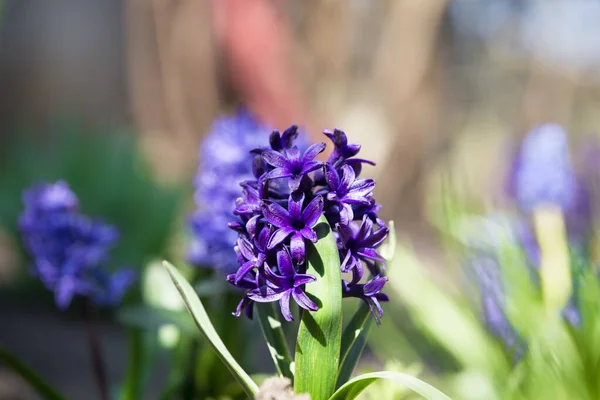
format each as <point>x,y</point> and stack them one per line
<point>370,293</point>
<point>294,222</point>
<point>543,173</point>
<point>226,162</point>
<point>359,242</point>
<point>343,152</point>
<point>249,282</point>
<point>284,285</point>
<point>346,191</point>
<point>250,202</point>
<point>279,209</point>
<point>285,140</point>
<point>290,164</point>
<point>69,250</point>
<point>486,273</point>
<point>254,254</point>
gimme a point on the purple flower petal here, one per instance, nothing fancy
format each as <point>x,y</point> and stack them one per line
<point>264,295</point>
<point>275,281</point>
<point>289,136</point>
<point>303,279</point>
<point>245,302</point>
<point>293,156</point>
<point>275,159</point>
<point>310,167</point>
<point>276,215</point>
<point>298,248</point>
<point>333,178</point>
<point>365,229</point>
<point>246,248</point>
<point>362,186</point>
<point>284,263</point>
<point>279,236</point>
<point>370,254</point>
<point>303,300</point>
<point>313,151</point>
<point>313,211</point>
<point>244,269</point>
<point>277,173</point>
<point>345,267</point>
<point>309,234</point>
<point>284,303</point>
<point>375,286</point>
<point>295,202</point>
<point>294,183</point>
<point>346,214</point>
<point>376,238</point>
<point>348,177</point>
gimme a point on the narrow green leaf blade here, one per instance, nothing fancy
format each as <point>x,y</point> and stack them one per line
<point>354,339</point>
<point>143,346</point>
<point>46,391</point>
<point>319,335</point>
<point>196,309</point>
<point>354,387</point>
<point>272,330</point>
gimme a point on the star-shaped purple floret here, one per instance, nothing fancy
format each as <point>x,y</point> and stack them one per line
<point>346,190</point>
<point>370,293</point>
<point>343,152</point>
<point>254,253</point>
<point>359,243</point>
<point>283,285</point>
<point>250,201</point>
<point>249,282</point>
<point>285,140</point>
<point>290,164</point>
<point>294,221</point>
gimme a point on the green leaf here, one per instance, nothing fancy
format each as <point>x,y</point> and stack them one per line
<point>354,387</point>
<point>196,309</point>
<point>142,352</point>
<point>442,317</point>
<point>319,334</point>
<point>28,375</point>
<point>354,339</point>
<point>272,330</point>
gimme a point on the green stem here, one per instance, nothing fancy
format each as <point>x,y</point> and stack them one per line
<point>46,391</point>
<point>354,340</point>
<point>141,360</point>
<point>272,330</point>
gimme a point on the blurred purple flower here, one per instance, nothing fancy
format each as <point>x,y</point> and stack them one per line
<point>70,250</point>
<point>225,162</point>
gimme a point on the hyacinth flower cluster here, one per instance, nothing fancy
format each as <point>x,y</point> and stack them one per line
<point>542,182</point>
<point>278,213</point>
<point>70,251</point>
<point>224,162</point>
<point>308,232</point>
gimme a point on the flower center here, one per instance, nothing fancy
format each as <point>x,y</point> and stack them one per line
<point>298,225</point>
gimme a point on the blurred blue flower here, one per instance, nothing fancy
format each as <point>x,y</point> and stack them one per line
<point>225,161</point>
<point>70,250</point>
<point>543,174</point>
<point>543,170</point>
